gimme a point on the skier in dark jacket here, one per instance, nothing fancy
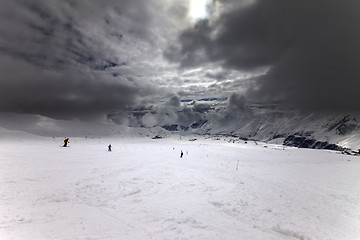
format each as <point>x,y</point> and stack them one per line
<point>109,148</point>
<point>181,154</point>
<point>66,141</point>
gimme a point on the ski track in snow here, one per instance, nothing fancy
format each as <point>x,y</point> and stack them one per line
<point>144,190</point>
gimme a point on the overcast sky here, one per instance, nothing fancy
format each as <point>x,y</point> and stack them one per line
<point>83,59</point>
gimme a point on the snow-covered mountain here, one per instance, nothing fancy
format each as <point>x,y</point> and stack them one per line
<point>269,123</point>
<point>14,125</point>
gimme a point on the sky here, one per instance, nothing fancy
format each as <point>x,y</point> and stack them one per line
<point>83,59</point>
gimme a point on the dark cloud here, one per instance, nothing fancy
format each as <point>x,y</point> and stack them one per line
<point>310,47</point>
<point>219,76</point>
<point>71,59</point>
<point>51,93</point>
<point>237,103</point>
<point>195,44</point>
<point>82,59</point>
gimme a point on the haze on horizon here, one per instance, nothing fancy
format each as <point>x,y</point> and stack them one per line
<point>70,59</point>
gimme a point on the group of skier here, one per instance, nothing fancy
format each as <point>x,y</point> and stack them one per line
<point>66,142</point>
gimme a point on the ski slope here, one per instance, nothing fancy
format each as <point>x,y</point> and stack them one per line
<point>144,190</point>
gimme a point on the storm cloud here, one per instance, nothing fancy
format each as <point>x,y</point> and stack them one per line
<point>87,59</point>
<point>307,50</point>
<point>71,59</point>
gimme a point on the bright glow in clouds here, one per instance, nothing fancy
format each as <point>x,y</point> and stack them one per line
<point>198,9</point>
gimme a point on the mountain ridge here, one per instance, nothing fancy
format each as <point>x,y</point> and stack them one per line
<point>268,123</point>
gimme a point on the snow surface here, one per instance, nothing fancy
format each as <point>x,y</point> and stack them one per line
<point>144,190</point>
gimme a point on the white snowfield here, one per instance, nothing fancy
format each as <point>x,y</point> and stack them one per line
<point>144,190</point>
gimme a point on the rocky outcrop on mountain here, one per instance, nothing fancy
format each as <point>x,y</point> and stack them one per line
<point>304,142</point>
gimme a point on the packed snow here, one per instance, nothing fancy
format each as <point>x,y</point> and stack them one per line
<point>142,189</point>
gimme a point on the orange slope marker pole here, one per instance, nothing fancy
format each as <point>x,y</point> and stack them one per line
<point>237,165</point>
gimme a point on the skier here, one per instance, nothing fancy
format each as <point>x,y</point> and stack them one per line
<point>109,148</point>
<point>181,154</point>
<point>66,141</point>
